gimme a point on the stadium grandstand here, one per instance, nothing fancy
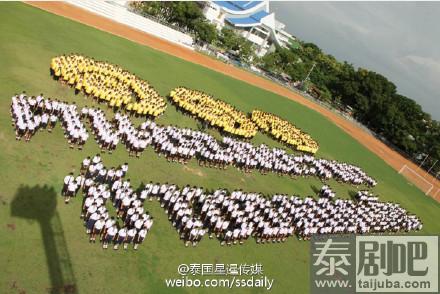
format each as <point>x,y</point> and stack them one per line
<point>252,20</point>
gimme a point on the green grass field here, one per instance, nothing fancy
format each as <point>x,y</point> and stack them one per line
<point>43,246</point>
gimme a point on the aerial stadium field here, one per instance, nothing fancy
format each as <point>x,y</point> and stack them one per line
<point>43,246</point>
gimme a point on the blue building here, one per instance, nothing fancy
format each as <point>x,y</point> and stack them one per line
<point>250,19</point>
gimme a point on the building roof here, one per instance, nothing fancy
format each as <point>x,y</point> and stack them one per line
<point>252,20</point>
<point>238,5</point>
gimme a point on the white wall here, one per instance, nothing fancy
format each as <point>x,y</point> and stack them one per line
<point>119,13</point>
<point>253,38</point>
<point>214,14</point>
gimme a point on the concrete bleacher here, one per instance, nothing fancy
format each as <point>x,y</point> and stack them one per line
<point>120,13</point>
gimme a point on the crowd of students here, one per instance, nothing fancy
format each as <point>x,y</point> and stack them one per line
<point>365,195</point>
<point>178,205</point>
<point>100,185</point>
<point>31,114</point>
<point>103,130</point>
<point>216,112</point>
<point>108,83</point>
<point>122,90</point>
<point>327,192</point>
<point>230,120</point>
<point>284,131</point>
<point>183,144</point>
<point>236,216</point>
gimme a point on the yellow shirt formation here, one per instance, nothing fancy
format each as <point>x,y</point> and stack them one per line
<point>218,113</point>
<point>108,83</point>
<point>284,131</point>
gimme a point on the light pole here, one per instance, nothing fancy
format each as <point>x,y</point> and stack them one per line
<point>423,161</point>
<point>310,71</point>
<point>432,166</point>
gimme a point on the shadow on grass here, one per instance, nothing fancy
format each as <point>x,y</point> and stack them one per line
<point>38,203</point>
<point>315,189</point>
<point>352,195</point>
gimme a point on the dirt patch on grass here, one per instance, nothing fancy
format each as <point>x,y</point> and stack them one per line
<point>194,171</point>
<point>11,227</point>
<point>14,286</point>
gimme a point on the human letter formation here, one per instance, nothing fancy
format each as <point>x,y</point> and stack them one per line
<point>98,185</point>
<point>228,119</point>
<point>110,84</point>
<point>30,114</point>
<point>232,217</point>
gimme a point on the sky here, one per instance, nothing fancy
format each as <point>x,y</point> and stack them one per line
<point>400,40</point>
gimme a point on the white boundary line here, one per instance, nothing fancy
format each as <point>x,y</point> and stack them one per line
<point>435,195</point>
<point>417,174</point>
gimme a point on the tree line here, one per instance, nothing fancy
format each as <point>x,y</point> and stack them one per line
<point>371,96</point>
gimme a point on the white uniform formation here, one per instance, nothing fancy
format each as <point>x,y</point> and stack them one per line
<point>30,114</point>
<point>99,185</point>
<point>105,135</point>
<point>178,144</point>
<point>364,195</point>
<point>234,216</point>
<point>327,192</point>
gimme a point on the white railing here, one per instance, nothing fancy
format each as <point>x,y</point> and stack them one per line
<point>121,14</point>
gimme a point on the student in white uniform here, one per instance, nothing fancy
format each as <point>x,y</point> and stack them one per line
<point>109,236</point>
<point>122,236</point>
<point>98,228</point>
<point>140,237</point>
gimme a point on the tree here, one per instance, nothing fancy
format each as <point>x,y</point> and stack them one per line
<point>185,14</point>
<point>205,32</point>
<point>228,39</point>
<point>153,8</point>
<point>246,49</point>
<point>270,61</point>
